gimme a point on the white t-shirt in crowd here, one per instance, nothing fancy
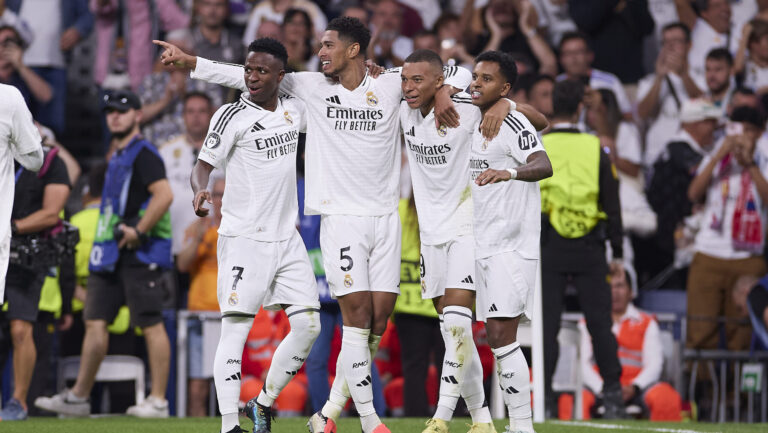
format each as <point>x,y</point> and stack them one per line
<point>667,121</point>
<point>718,243</point>
<point>605,80</point>
<point>704,39</point>
<point>265,11</point>
<point>439,162</point>
<point>19,139</point>
<point>553,17</point>
<point>742,11</point>
<point>507,215</point>
<point>755,77</point>
<point>257,148</point>
<point>45,17</point>
<point>353,151</point>
<point>179,157</point>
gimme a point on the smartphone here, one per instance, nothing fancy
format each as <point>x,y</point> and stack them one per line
<point>447,44</point>
<point>734,128</point>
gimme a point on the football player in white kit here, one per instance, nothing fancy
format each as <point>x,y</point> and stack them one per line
<point>439,164</point>
<point>507,227</point>
<point>261,257</point>
<point>352,180</point>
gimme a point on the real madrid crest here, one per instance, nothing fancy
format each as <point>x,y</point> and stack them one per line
<point>348,282</point>
<point>371,99</point>
<point>288,118</point>
<point>233,299</point>
<point>213,140</point>
<point>442,130</point>
<point>176,153</point>
<point>485,145</point>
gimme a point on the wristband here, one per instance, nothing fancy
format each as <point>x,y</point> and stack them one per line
<point>143,237</point>
<point>512,105</point>
<point>512,173</point>
<point>14,228</point>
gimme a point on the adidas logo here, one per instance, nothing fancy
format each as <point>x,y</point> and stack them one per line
<point>257,127</point>
<point>365,382</point>
<point>493,308</point>
<point>449,379</point>
<point>510,390</point>
<point>333,99</point>
<point>468,280</point>
<point>291,373</point>
<point>411,132</point>
<point>235,376</point>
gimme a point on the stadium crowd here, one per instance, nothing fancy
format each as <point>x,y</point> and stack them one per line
<point>674,90</point>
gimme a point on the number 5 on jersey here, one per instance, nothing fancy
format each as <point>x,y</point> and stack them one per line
<point>345,258</point>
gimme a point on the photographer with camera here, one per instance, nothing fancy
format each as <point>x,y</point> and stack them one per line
<point>131,251</point>
<point>14,72</point>
<point>38,200</point>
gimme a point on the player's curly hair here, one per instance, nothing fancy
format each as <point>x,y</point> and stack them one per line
<point>506,63</point>
<point>269,46</point>
<point>352,30</point>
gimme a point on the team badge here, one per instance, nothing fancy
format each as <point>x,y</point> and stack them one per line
<point>177,153</point>
<point>233,299</point>
<point>213,140</point>
<point>348,281</point>
<point>288,118</point>
<point>371,99</point>
<point>442,130</point>
<point>484,147</point>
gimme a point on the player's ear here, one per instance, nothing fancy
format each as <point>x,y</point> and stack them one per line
<point>505,89</point>
<point>353,50</point>
<point>440,81</point>
<point>280,75</point>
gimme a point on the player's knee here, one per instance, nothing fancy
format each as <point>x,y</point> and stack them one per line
<point>304,322</point>
<point>21,331</point>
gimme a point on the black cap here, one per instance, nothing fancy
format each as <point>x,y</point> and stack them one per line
<point>121,100</point>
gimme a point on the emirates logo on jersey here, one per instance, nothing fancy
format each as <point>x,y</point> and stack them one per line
<point>288,118</point>
<point>442,130</point>
<point>371,99</point>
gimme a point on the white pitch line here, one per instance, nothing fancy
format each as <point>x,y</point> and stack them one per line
<point>623,427</point>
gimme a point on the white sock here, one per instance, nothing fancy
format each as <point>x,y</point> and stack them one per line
<point>226,367</point>
<point>356,363</point>
<point>291,352</point>
<point>515,385</point>
<point>472,390</point>
<point>339,394</point>
<point>457,334</point>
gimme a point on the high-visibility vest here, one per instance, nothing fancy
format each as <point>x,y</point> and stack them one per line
<point>50,295</point>
<point>630,341</point>
<point>570,196</point>
<point>409,301</point>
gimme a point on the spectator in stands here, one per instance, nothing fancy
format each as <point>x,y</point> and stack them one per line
<point>754,65</point>
<point>416,318</point>
<point>661,94</point>
<point>274,10</point>
<point>641,357</point>
<point>509,26</point>
<point>615,28</point>
<point>743,97</point>
<point>270,29</point>
<point>539,95</point>
<point>426,40</point>
<point>554,19</point>
<point>211,39</point>
<point>451,45</point>
<point>59,25</point>
<point>672,173</point>
<point>750,297</point>
<point>11,18</point>
<point>576,58</point>
<point>731,239</point>
<point>179,156</point>
<point>358,12</point>
<point>719,77</point>
<point>389,364</point>
<point>574,227</point>
<point>14,72</point>
<point>162,94</point>
<point>388,46</point>
<point>710,30</point>
<point>124,37</point>
<point>297,38</point>
<point>198,257</point>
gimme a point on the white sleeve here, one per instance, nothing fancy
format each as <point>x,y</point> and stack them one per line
<point>225,74</point>
<point>653,357</point>
<point>590,377</point>
<point>222,135</point>
<point>301,84</point>
<point>628,143</point>
<point>457,76</point>
<point>621,97</point>
<point>25,141</point>
<point>644,86</point>
<point>521,145</point>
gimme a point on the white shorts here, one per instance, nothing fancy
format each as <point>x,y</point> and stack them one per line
<point>505,285</point>
<point>448,265</point>
<point>361,253</point>
<point>254,273</point>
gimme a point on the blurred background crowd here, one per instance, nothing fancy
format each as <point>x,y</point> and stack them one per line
<point>676,91</point>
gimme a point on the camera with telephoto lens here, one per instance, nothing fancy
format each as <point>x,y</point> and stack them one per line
<point>42,251</point>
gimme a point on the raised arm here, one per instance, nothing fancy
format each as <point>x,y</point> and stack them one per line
<point>225,74</point>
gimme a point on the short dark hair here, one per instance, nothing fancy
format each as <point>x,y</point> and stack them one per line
<point>743,90</point>
<point>749,115</point>
<point>701,5</point>
<point>428,56</point>
<point>351,29</point>
<point>566,97</point>
<point>568,36</point>
<point>536,80</point>
<point>269,46</point>
<point>678,25</point>
<point>506,63</point>
<point>197,94</point>
<point>721,54</point>
<point>446,17</point>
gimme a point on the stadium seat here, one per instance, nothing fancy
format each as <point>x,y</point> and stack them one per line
<point>114,368</point>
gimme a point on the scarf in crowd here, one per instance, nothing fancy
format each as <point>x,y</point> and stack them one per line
<point>746,226</point>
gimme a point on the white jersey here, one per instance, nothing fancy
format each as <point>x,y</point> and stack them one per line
<point>507,215</point>
<point>258,148</point>
<point>439,162</point>
<point>353,152</point>
<point>179,157</point>
<point>19,139</point>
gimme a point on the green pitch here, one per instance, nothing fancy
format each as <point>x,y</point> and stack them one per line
<point>347,425</point>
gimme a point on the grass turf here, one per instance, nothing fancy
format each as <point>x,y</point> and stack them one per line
<point>346,425</point>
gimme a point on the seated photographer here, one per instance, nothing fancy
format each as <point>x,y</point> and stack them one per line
<point>39,198</point>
